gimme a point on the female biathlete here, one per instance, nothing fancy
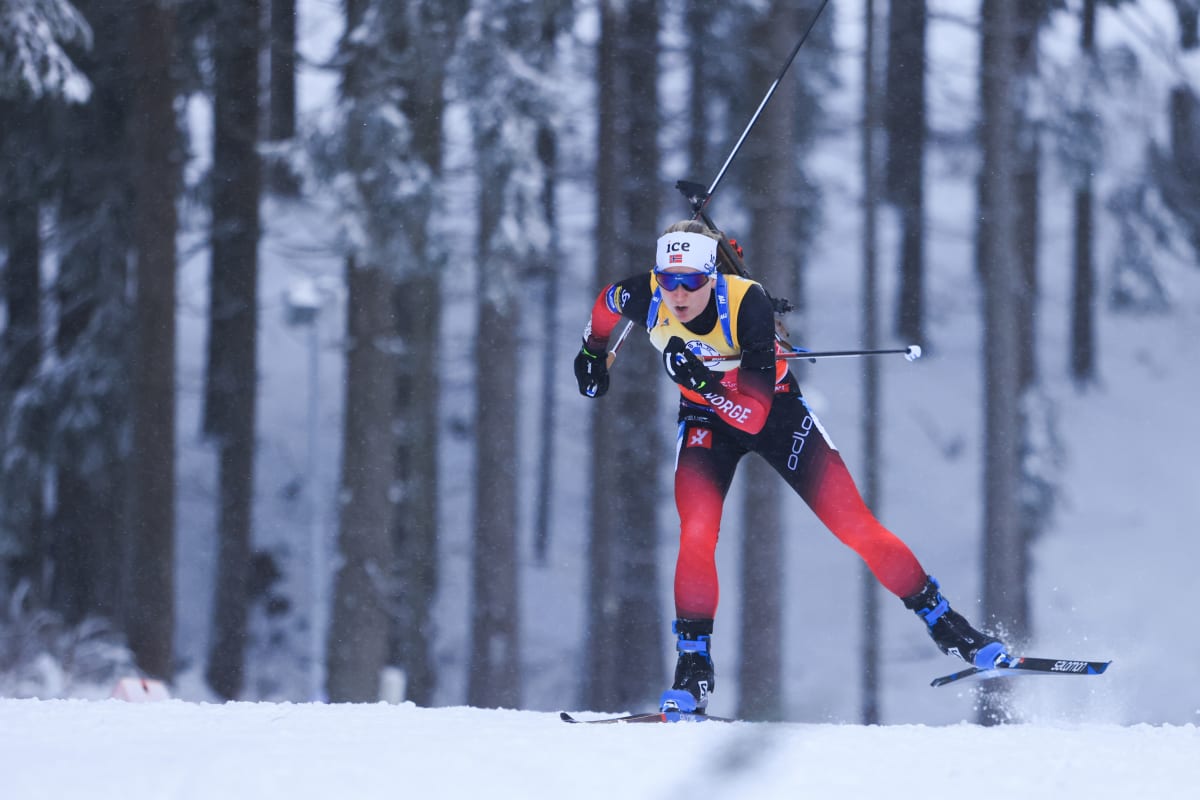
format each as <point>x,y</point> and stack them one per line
<point>691,309</point>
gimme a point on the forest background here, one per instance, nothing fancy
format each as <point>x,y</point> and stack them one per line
<point>290,293</point>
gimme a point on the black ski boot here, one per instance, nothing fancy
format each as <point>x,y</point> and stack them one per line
<point>694,674</point>
<point>951,632</point>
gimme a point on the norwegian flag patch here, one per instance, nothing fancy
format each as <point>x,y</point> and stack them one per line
<point>677,258</point>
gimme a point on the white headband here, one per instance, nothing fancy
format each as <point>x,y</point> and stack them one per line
<point>693,251</point>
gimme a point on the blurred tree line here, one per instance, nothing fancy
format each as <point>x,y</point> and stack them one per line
<point>92,150</point>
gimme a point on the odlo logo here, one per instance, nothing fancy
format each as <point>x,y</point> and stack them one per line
<point>798,439</point>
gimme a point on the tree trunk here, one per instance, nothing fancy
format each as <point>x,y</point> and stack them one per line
<point>495,670</point>
<point>1181,184</point>
<point>1004,547</point>
<point>510,198</point>
<point>232,381</point>
<point>494,675</point>
<point>281,95</point>
<point>869,709</point>
<point>760,695</point>
<point>415,522</point>
<point>1083,283</point>
<point>1189,24</point>
<point>625,626</point>
<point>904,117</point>
<point>20,339</point>
<point>641,629</point>
<point>697,20</point>
<point>22,427</point>
<point>548,151</point>
<point>91,412</point>
<point>598,657</point>
<point>149,609</point>
<point>548,155</point>
<point>772,173</point>
<point>281,116</point>
<point>357,644</point>
<point>1027,149</point>
<point>432,29</point>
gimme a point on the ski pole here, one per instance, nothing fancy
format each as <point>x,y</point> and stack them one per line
<point>699,203</point>
<point>758,111</point>
<point>612,352</point>
<point>910,353</point>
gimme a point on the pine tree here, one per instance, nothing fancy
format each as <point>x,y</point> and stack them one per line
<point>357,645</point>
<point>231,387</point>
<point>904,119</point>
<point>550,272</point>
<point>624,626</point>
<point>421,33</point>
<point>87,394</point>
<point>387,168</point>
<point>1083,291</point>
<point>280,127</point>
<point>281,46</point>
<point>910,272</point>
<point>1178,173</point>
<point>1005,556</point>
<point>22,411</point>
<point>508,104</point>
<point>769,178</point>
<point>149,611</point>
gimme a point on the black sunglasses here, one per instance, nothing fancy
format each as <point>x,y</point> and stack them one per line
<point>688,280</point>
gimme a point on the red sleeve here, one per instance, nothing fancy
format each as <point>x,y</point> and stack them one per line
<point>743,398</point>
<point>602,322</point>
<point>629,298</point>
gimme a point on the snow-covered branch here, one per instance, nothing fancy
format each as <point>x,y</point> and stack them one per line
<point>33,61</point>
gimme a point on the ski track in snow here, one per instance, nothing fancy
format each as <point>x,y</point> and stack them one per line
<point>176,750</point>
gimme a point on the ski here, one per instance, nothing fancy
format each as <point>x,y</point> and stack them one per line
<point>652,716</point>
<point>1026,666</point>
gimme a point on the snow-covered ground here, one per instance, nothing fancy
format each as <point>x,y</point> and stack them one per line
<point>262,751</point>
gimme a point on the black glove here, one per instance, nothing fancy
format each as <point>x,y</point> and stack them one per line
<point>684,367</point>
<point>591,371</point>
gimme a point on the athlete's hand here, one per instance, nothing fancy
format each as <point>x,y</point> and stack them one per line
<point>684,367</point>
<point>591,371</point>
